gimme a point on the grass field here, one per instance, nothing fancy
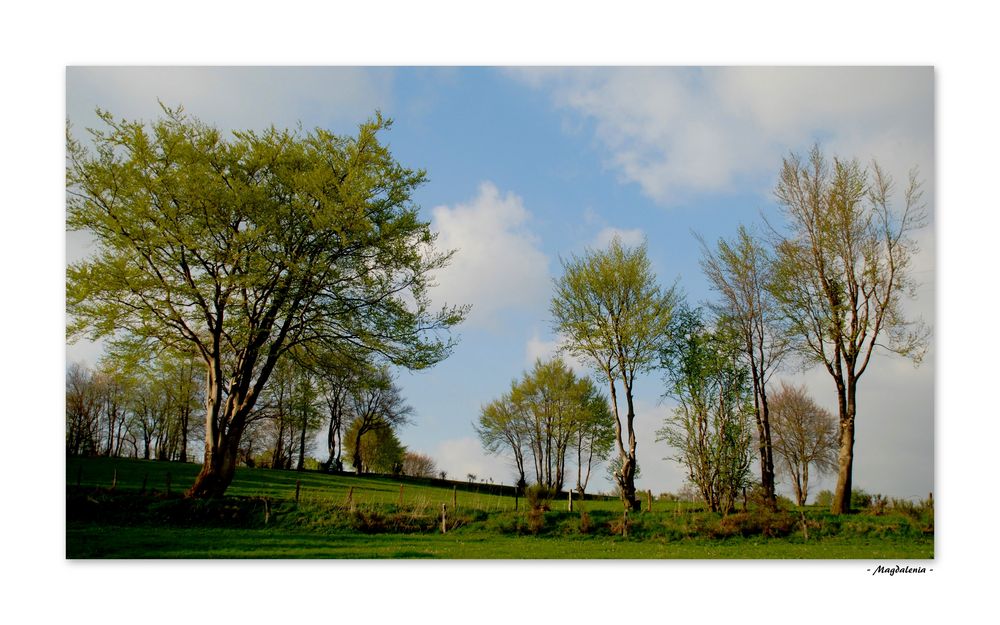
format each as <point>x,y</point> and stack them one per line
<point>340,516</point>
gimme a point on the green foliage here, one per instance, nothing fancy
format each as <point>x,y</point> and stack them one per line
<point>381,450</point>
<point>712,426</point>
<point>823,499</point>
<point>860,499</point>
<point>611,310</point>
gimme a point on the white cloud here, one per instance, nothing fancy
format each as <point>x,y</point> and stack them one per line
<point>675,131</point>
<point>538,348</point>
<point>231,97</point>
<point>498,264</point>
<point>630,238</point>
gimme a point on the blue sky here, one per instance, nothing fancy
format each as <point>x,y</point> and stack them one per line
<point>527,165</point>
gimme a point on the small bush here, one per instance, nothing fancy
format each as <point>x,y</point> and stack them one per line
<point>878,504</point>
<point>824,499</point>
<point>620,526</point>
<point>539,497</point>
<point>586,525</point>
<point>860,500</point>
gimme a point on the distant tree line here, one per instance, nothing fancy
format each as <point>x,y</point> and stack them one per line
<point>153,409</point>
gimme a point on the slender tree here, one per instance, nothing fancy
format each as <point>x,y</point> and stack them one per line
<point>595,436</point>
<point>740,272</point>
<point>243,247</point>
<point>615,317</point>
<point>843,272</point>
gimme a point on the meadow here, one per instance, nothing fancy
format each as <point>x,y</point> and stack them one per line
<point>118,508</point>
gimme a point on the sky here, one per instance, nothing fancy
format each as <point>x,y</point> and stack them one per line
<point>528,166</point>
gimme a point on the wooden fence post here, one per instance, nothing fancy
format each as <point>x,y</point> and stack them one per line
<point>350,497</point>
<point>298,486</point>
<point>515,498</point>
<point>571,500</point>
<point>114,479</point>
<point>625,524</point>
<point>444,518</point>
<point>649,501</point>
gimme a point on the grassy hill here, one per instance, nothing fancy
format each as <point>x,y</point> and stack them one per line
<point>345,516</point>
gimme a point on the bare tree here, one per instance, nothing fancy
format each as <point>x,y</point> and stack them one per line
<point>419,465</point>
<point>82,411</point>
<point>805,434</point>
<point>842,274</point>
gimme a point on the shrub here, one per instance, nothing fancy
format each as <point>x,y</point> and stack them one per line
<point>860,500</point>
<point>619,525</point>
<point>757,523</point>
<point>824,498</point>
<point>878,504</point>
<point>586,525</point>
<point>539,497</point>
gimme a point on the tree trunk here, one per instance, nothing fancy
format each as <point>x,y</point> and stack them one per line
<point>628,490</point>
<point>356,459</point>
<point>804,491</point>
<point>220,442</point>
<point>302,444</point>
<point>218,470</point>
<point>845,462</point>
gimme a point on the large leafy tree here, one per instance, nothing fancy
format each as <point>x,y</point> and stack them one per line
<point>843,272</point>
<point>242,247</point>
<point>615,317</point>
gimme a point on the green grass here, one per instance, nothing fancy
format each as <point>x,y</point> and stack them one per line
<point>259,518</point>
<point>90,541</point>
